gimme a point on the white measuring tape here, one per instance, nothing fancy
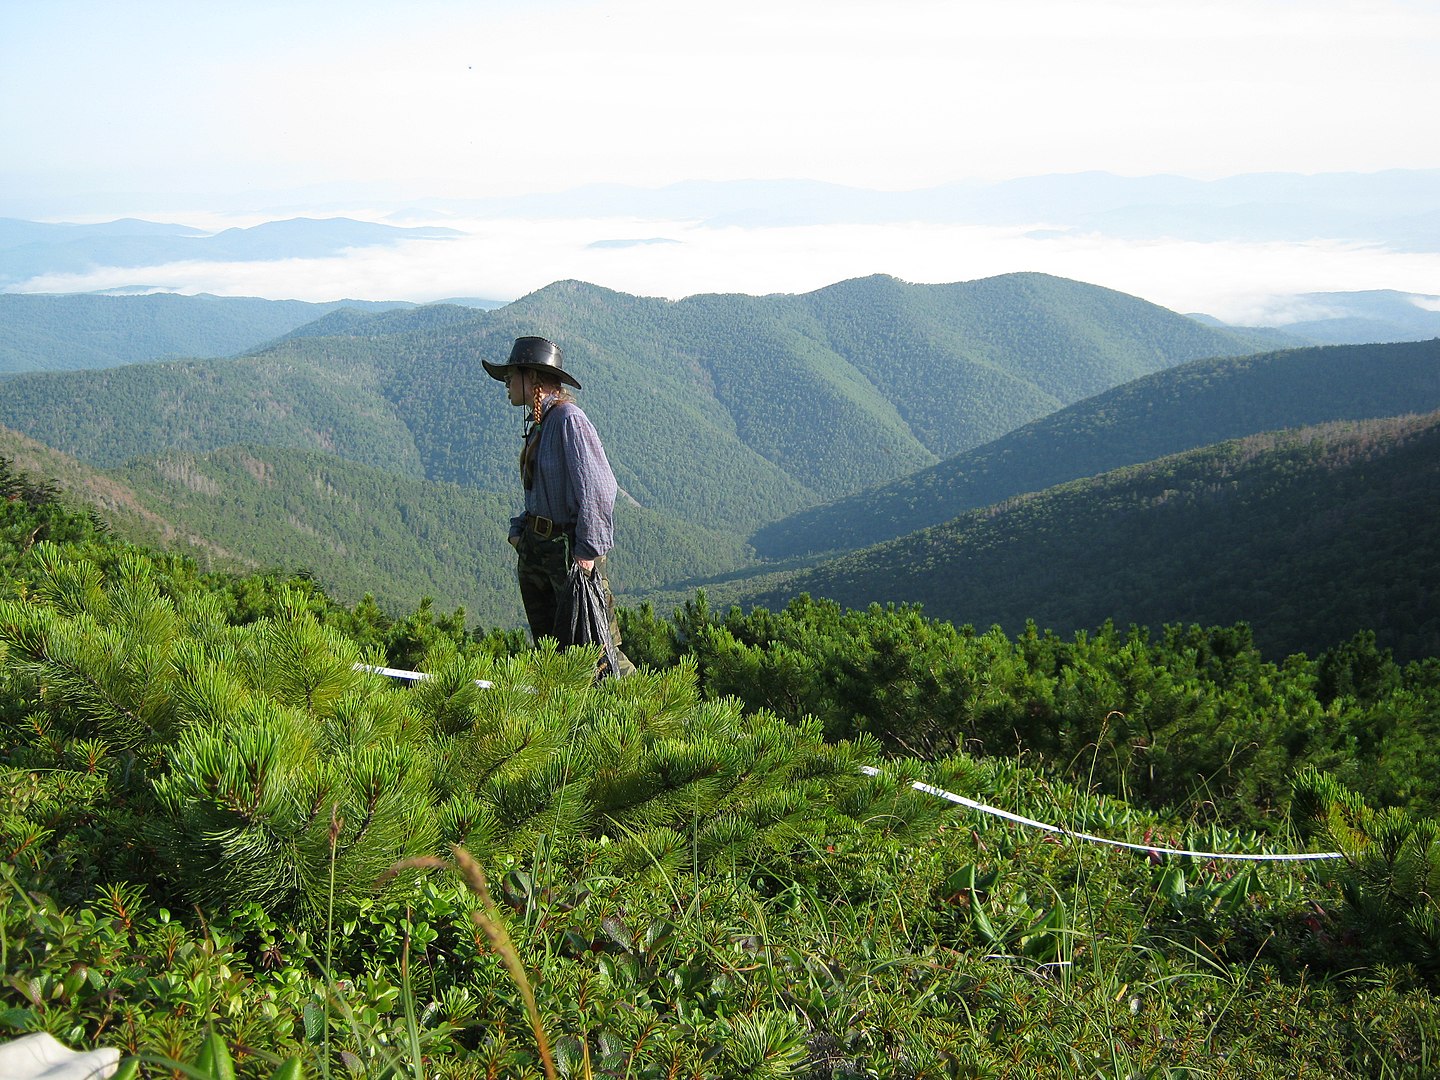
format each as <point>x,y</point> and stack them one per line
<point>1149,849</point>
<point>1019,819</point>
<point>411,676</point>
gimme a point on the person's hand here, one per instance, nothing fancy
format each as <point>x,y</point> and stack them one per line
<point>585,564</point>
<point>514,539</point>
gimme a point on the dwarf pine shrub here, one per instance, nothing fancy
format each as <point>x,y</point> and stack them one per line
<point>1390,875</point>
<point>267,766</point>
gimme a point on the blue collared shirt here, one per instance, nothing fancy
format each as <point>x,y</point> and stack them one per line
<point>572,483</point>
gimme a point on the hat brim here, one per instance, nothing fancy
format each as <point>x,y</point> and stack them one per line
<point>499,371</point>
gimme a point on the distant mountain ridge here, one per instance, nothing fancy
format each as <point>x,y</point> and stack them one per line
<point>1182,408</point>
<point>30,249</point>
<point>724,410</point>
<point>77,331</point>
<point>1396,207</point>
<point>1389,211</point>
<point>1354,318</point>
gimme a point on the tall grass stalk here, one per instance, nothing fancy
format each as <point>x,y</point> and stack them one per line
<point>407,996</point>
<point>541,858</point>
<point>695,856</point>
<point>488,918</point>
<point>337,823</point>
<point>393,1063</point>
<point>1081,891</point>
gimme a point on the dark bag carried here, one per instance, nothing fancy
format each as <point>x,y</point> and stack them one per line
<point>582,618</point>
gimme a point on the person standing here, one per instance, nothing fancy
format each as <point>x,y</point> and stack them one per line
<point>570,489</point>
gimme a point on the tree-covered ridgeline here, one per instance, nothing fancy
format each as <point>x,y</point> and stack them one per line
<point>1193,405</point>
<point>1310,535</point>
<point>217,827</point>
<point>723,412</point>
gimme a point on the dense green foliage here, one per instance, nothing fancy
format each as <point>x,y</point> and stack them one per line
<point>1310,536</point>
<point>64,333</point>
<point>32,514</point>
<point>1183,408</point>
<point>1191,719</point>
<point>200,795</point>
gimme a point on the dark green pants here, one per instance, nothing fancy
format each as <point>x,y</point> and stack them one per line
<point>543,568</point>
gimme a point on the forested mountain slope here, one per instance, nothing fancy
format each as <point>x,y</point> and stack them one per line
<point>1018,339</point>
<point>109,500</point>
<point>726,410</point>
<point>296,396</point>
<point>1194,405</point>
<point>362,530</point>
<point>77,331</point>
<point>1308,535</point>
<point>354,528</point>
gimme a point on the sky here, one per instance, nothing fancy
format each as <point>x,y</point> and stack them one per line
<point>227,113</point>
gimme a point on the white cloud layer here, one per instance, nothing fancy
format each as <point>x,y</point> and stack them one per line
<point>503,259</point>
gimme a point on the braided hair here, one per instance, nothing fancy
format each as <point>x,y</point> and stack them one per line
<point>546,387</point>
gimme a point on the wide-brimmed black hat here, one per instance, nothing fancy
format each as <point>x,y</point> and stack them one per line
<point>533,352</point>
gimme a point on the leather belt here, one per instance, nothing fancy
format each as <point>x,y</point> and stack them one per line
<point>544,527</point>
